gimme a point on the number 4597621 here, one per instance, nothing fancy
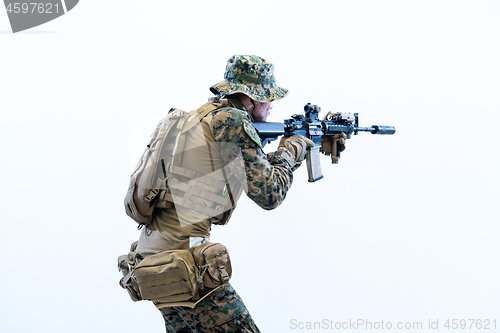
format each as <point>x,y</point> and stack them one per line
<point>471,323</point>
<point>32,7</point>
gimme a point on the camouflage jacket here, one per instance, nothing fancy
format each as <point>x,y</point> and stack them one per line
<point>268,176</point>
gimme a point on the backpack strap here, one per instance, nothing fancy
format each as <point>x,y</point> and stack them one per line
<point>202,113</point>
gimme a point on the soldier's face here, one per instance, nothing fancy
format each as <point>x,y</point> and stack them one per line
<point>262,111</point>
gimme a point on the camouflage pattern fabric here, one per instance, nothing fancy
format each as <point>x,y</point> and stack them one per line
<point>222,311</point>
<point>268,176</point>
<point>252,76</point>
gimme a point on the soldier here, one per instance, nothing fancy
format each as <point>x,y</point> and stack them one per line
<point>234,152</point>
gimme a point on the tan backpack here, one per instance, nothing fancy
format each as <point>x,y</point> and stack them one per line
<point>139,201</point>
<point>144,187</point>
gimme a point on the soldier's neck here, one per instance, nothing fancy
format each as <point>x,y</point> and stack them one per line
<point>237,104</point>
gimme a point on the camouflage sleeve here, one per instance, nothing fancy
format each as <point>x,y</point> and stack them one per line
<point>268,177</point>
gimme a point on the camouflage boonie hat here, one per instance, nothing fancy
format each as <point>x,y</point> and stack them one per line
<point>252,76</point>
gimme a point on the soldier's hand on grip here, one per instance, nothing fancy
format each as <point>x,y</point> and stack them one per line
<point>297,146</point>
<point>331,144</point>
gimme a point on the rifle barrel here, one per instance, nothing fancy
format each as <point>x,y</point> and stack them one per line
<point>377,129</point>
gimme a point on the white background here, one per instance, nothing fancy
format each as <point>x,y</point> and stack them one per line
<point>404,229</point>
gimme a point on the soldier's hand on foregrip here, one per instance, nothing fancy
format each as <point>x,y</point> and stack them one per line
<point>333,145</point>
<point>297,146</point>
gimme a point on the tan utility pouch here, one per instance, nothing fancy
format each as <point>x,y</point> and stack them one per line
<point>173,278</point>
<point>166,277</point>
<point>214,264</point>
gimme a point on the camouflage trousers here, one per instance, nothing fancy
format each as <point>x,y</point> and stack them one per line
<point>222,311</point>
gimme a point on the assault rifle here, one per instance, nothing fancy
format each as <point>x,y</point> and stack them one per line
<point>313,128</point>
